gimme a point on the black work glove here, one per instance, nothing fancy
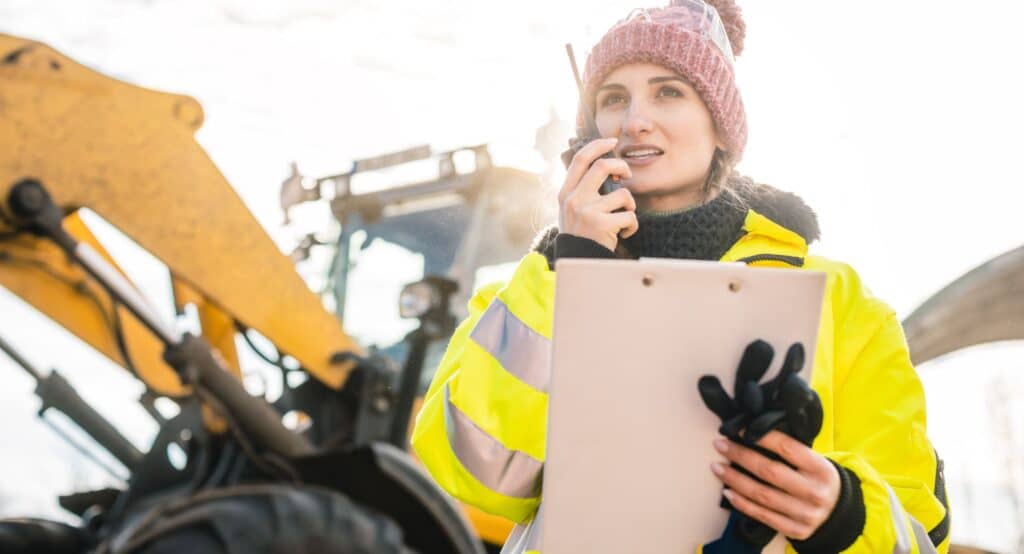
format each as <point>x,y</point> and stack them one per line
<point>785,403</point>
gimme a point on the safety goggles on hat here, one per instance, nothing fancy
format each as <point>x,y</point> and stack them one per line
<point>696,16</point>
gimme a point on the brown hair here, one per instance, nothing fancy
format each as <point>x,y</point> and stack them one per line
<point>724,179</point>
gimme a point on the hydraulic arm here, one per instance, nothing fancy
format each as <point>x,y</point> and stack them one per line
<point>128,154</point>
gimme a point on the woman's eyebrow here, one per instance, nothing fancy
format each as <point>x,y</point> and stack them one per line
<point>651,81</point>
<point>656,80</point>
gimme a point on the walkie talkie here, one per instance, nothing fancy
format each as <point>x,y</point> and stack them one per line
<point>588,132</point>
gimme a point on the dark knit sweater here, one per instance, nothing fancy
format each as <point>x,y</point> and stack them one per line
<point>703,232</point>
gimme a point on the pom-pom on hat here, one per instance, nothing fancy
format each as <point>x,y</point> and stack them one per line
<point>698,39</point>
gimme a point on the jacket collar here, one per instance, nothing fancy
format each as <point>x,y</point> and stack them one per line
<point>765,239</point>
<point>778,226</point>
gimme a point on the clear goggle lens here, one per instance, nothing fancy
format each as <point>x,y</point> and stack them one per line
<point>693,15</point>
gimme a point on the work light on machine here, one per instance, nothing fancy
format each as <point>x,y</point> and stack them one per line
<point>418,299</point>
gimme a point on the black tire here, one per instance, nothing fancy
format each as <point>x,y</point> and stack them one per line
<point>32,536</point>
<point>268,519</point>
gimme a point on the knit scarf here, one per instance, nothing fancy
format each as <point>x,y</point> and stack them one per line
<point>706,232</point>
<point>703,232</point>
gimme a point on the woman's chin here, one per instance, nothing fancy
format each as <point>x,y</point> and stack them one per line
<point>653,196</point>
<point>636,187</point>
<point>644,187</point>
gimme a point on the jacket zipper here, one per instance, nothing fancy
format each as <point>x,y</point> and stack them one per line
<point>794,261</point>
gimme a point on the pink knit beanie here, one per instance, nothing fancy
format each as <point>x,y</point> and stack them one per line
<point>698,40</point>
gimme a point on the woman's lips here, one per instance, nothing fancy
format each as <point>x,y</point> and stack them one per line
<point>640,161</point>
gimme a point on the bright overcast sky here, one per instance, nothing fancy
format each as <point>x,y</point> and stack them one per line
<point>898,122</point>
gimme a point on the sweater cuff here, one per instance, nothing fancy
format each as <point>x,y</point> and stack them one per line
<point>572,246</point>
<point>846,522</point>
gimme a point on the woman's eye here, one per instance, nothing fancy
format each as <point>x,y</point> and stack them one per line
<point>611,99</point>
<point>671,92</point>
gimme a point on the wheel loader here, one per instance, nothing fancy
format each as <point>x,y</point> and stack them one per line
<point>322,468</point>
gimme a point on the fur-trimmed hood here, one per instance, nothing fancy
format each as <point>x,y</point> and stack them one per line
<point>786,209</point>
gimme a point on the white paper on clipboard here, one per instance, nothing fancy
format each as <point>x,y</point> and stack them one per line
<point>629,448</point>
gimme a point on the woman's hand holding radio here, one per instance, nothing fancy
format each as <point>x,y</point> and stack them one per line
<point>583,211</point>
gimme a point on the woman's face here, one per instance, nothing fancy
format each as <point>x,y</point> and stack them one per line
<point>666,134</point>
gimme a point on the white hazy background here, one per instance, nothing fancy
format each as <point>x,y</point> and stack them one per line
<point>898,122</point>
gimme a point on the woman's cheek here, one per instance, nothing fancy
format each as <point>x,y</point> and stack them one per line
<point>608,125</point>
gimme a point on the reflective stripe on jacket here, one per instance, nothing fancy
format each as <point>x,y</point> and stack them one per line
<point>481,431</point>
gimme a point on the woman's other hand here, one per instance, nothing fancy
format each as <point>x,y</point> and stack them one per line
<point>583,211</point>
<point>796,500</point>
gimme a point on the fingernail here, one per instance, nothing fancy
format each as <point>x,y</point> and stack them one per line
<point>728,494</point>
<point>718,469</point>
<point>721,445</point>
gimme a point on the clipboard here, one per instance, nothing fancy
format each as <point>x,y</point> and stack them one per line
<point>629,440</point>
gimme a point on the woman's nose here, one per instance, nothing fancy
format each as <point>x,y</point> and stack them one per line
<point>637,122</point>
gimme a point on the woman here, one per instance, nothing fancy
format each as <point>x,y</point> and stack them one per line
<point>662,91</point>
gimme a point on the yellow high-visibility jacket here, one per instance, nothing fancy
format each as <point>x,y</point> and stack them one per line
<point>481,431</point>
